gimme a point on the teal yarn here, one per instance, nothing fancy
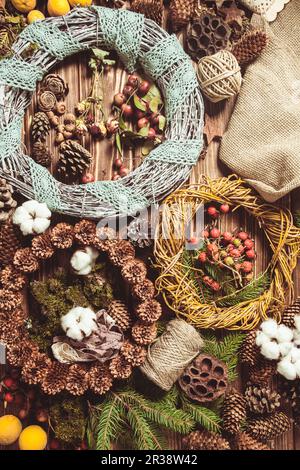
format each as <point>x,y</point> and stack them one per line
<point>137,40</point>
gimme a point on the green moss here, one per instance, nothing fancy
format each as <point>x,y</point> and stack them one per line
<point>67,417</point>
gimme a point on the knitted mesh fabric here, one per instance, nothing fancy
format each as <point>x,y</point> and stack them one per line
<point>10,137</point>
<point>20,74</point>
<point>45,186</point>
<point>184,152</point>
<point>262,143</point>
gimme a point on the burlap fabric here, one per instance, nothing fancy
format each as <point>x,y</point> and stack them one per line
<point>262,143</point>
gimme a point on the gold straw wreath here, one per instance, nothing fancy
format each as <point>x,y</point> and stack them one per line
<point>176,286</point>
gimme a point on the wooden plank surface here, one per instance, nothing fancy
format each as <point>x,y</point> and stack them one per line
<point>75,73</point>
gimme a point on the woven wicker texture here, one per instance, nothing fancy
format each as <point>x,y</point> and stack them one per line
<point>137,41</point>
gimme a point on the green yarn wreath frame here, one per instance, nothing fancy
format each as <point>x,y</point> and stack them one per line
<point>137,40</point>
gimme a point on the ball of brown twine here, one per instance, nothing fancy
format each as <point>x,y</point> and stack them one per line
<point>219,76</point>
<point>169,355</point>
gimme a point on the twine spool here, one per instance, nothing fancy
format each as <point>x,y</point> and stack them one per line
<point>170,354</point>
<point>219,76</point>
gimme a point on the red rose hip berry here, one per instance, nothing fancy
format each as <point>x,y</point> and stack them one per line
<point>119,99</point>
<point>202,257</point>
<point>143,88</point>
<point>143,122</point>
<point>127,110</point>
<point>247,267</point>
<point>243,236</point>
<point>248,244</point>
<point>250,254</point>
<point>212,211</point>
<point>224,208</point>
<point>133,80</point>
<point>215,233</point>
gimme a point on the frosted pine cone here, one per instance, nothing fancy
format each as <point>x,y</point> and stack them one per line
<point>135,355</point>
<point>77,379</point>
<point>85,232</point>
<point>55,380</point>
<point>118,311</point>
<point>144,334</point>
<point>100,379</point>
<point>144,290</point>
<point>42,247</point>
<point>25,260</point>
<point>134,271</point>
<point>119,368</point>
<point>62,236</point>
<point>120,253</point>
<point>149,311</point>
<point>11,279</point>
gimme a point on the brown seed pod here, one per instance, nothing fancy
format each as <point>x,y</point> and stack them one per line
<point>60,107</point>
<point>69,118</point>
<point>67,135</point>
<point>59,138</point>
<point>46,101</point>
<point>70,128</point>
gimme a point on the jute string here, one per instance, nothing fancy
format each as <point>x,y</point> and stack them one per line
<point>170,354</point>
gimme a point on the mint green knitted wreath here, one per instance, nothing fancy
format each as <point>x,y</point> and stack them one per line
<point>138,42</point>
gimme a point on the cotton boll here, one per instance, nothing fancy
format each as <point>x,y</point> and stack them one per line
<point>287,369</point>
<point>270,350</point>
<point>284,334</point>
<point>85,271</point>
<point>42,211</point>
<point>80,260</point>
<point>40,225</point>
<point>297,322</point>
<point>79,322</point>
<point>294,354</point>
<point>20,215</point>
<point>31,206</point>
<point>297,337</point>
<point>261,338</point>
<point>92,252</point>
<point>269,328</point>
<point>26,227</point>
<point>285,348</point>
<point>297,367</point>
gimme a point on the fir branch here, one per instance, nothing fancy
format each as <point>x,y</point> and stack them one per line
<point>144,436</point>
<point>203,292</point>
<point>207,418</point>
<point>250,292</point>
<point>111,418</point>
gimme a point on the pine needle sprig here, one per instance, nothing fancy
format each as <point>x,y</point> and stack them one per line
<point>204,293</point>
<point>203,416</point>
<point>111,419</point>
<point>143,434</point>
<point>250,292</point>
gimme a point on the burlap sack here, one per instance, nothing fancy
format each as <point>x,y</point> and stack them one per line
<point>262,143</point>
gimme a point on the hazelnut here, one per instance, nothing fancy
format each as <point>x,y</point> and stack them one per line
<point>59,138</point>
<point>60,107</point>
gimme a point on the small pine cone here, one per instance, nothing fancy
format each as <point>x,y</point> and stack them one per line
<point>149,311</point>
<point>249,47</point>
<point>100,379</point>
<point>233,412</point>
<point>269,427</point>
<point>74,159</point>
<point>25,260</point>
<point>42,247</point>
<point>261,399</point>
<point>54,83</point>
<point>120,368</point>
<point>145,290</point>
<point>21,352</point>
<point>181,12</point>
<point>11,279</point>
<point>288,317</point>
<point>144,334</point>
<point>152,9</point>
<point>249,351</point>
<point>41,154</point>
<point>262,371</point>
<point>105,238</point>
<point>134,271</point>
<point>244,441</point>
<point>7,202</point>
<point>120,253</point>
<point>62,236</point>
<point>77,379</point>
<point>10,335</point>
<point>135,355</point>
<point>9,301</point>
<point>205,440</point>
<point>35,368</point>
<point>10,241</point>
<point>119,312</point>
<point>55,379</point>
<point>40,127</point>
<point>85,232</point>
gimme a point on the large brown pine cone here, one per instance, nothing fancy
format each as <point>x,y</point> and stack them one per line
<point>25,260</point>
<point>100,379</point>
<point>269,427</point>
<point>205,440</point>
<point>233,412</point>
<point>121,252</point>
<point>35,368</point>
<point>135,355</point>
<point>144,334</point>
<point>55,379</point>
<point>120,368</point>
<point>262,371</point>
<point>134,271</point>
<point>119,312</point>
<point>149,311</point>
<point>85,232</point>
<point>288,317</point>
<point>42,247</point>
<point>77,379</point>
<point>244,441</point>
<point>145,290</point>
<point>181,12</point>
<point>249,351</point>
<point>40,127</point>
<point>261,399</point>
<point>62,236</point>
<point>11,279</point>
<point>74,159</point>
<point>10,242</point>
<point>152,9</point>
<point>20,352</point>
<point>41,153</point>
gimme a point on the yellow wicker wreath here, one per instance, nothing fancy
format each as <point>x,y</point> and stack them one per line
<point>176,286</point>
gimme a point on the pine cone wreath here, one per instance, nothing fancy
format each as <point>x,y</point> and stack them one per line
<point>249,351</point>
<point>244,441</point>
<point>205,440</point>
<point>62,236</point>
<point>149,311</point>
<point>120,253</point>
<point>144,334</point>
<point>9,300</point>
<point>100,379</point>
<point>249,47</point>
<point>55,379</point>
<point>11,279</point>
<point>233,412</point>
<point>181,12</point>
<point>54,83</point>
<point>119,312</point>
<point>35,368</point>
<point>41,154</point>
<point>7,202</point>
<point>262,371</point>
<point>288,317</point>
<point>135,355</point>
<point>120,368</point>
<point>10,242</point>
<point>152,9</point>
<point>74,159</point>
<point>134,271</point>
<point>42,247</point>
<point>261,399</point>
<point>25,260</point>
<point>269,427</point>
<point>40,127</point>
<point>145,290</point>
<point>77,380</point>
<point>85,232</point>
